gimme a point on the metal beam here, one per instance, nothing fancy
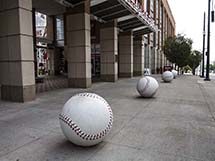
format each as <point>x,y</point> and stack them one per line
<point>130,27</point>
<point>101,6</point>
<point>116,15</point>
<point>127,22</point>
<point>142,31</point>
<point>109,11</point>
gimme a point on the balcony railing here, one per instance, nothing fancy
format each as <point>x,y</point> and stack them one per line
<point>136,8</point>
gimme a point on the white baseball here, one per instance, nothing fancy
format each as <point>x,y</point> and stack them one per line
<point>147,86</point>
<point>86,119</point>
<point>175,73</point>
<point>167,76</point>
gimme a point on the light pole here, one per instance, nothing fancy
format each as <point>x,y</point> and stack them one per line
<point>203,50</point>
<point>208,43</point>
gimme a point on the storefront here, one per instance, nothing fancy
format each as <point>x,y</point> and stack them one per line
<point>49,46</point>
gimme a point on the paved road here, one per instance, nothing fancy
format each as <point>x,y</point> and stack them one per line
<point>177,125</point>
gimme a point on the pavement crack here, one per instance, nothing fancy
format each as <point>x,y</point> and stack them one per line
<point>20,147</point>
<point>206,96</point>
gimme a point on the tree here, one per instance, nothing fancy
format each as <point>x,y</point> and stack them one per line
<point>187,68</point>
<point>194,60</point>
<point>212,66</point>
<point>177,49</point>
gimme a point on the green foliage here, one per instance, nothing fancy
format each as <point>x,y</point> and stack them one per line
<point>212,66</point>
<point>187,68</point>
<point>177,49</point>
<point>194,60</point>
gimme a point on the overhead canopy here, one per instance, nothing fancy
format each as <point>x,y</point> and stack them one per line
<point>130,24</point>
<point>48,7</point>
<point>109,10</point>
<point>142,31</point>
<point>73,2</point>
<point>128,13</point>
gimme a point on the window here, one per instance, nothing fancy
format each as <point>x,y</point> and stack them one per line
<point>41,25</point>
<point>60,31</point>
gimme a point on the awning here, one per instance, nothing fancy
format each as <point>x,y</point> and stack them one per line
<point>142,31</point>
<point>109,10</point>
<point>130,24</point>
<point>69,3</point>
<point>128,13</point>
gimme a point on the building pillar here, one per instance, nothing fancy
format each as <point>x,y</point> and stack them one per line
<point>50,38</point>
<point>16,51</point>
<point>147,57</point>
<point>126,54</point>
<point>138,56</point>
<point>50,28</point>
<point>162,60</point>
<point>78,46</point>
<point>50,61</point>
<point>158,62</point>
<point>109,52</point>
<point>165,60</point>
<point>153,60</point>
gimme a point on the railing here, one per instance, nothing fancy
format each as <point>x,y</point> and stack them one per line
<point>137,9</point>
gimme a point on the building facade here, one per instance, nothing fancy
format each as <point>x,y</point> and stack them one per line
<point>160,11</point>
<point>80,41</point>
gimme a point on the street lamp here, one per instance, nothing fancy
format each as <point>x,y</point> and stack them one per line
<point>208,45</point>
<point>203,50</point>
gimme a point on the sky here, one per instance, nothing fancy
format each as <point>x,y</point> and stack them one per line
<point>188,16</point>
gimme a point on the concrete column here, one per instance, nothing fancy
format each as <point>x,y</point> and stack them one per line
<point>167,62</point>
<point>109,52</point>
<point>50,37</point>
<point>78,46</point>
<point>158,62</point>
<point>16,51</point>
<point>126,54</point>
<point>162,60</point>
<point>147,57</point>
<point>153,60</point>
<point>138,56</point>
<point>57,61</point>
<point>50,28</point>
<point>51,61</point>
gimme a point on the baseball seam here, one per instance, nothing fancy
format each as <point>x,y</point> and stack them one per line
<point>78,131</point>
<point>146,86</point>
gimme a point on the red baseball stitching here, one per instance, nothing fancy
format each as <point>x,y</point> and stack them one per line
<point>146,86</point>
<point>79,131</point>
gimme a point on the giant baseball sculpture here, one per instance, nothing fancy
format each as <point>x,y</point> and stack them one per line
<point>86,119</point>
<point>175,73</point>
<point>167,76</point>
<point>147,86</point>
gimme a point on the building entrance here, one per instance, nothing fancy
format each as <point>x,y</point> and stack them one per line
<point>95,50</point>
<point>95,60</point>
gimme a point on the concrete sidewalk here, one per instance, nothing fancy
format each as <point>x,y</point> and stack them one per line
<point>177,125</point>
